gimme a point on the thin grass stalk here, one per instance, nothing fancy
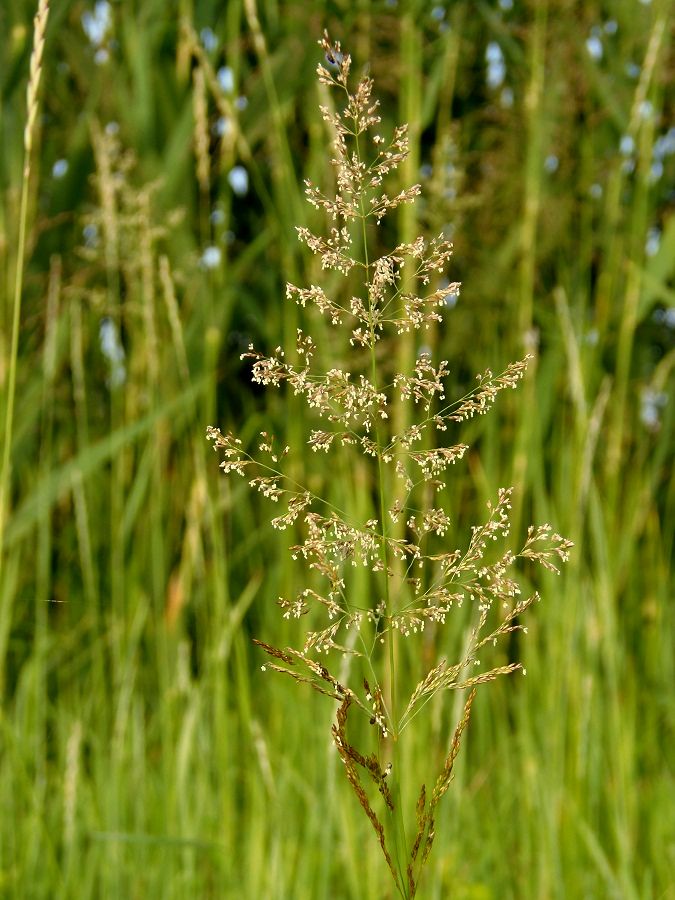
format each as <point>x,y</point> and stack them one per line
<point>45,544</point>
<point>82,518</point>
<point>201,149</point>
<point>535,115</point>
<point>410,111</point>
<point>398,825</point>
<point>632,291</point>
<point>32,106</point>
<point>535,120</point>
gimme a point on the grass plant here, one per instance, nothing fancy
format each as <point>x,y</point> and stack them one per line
<point>418,582</point>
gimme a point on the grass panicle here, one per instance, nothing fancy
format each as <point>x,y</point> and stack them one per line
<point>415,582</point>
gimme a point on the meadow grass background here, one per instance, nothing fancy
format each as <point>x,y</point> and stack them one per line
<point>142,751</point>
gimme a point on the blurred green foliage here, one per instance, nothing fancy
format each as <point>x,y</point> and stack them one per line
<point>143,753</point>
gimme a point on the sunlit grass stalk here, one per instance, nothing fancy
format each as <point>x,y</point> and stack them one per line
<point>400,842</point>
<point>410,110</point>
<point>45,544</point>
<point>536,113</point>
<point>630,244</point>
<point>398,824</point>
<point>32,107</point>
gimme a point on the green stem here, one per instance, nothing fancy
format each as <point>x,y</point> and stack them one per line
<point>14,349</point>
<point>398,824</point>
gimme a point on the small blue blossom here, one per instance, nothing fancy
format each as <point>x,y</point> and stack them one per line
<point>506,98</point>
<point>646,110</point>
<point>551,163</point>
<point>210,258</point>
<point>60,168</point>
<point>653,241</point>
<point>655,171</point>
<point>225,78</point>
<point>222,126</point>
<point>594,47</point>
<point>208,39</point>
<point>96,24</point>
<point>91,236</point>
<point>627,145</point>
<point>664,145</point>
<point>651,404</point>
<point>109,340</point>
<point>496,67</point>
<point>238,180</point>
<point>665,317</point>
<point>113,351</point>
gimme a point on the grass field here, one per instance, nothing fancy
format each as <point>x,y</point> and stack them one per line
<point>143,752</point>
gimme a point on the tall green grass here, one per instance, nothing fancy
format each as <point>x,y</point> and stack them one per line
<point>142,751</point>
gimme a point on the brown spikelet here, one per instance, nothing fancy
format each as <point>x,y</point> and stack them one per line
<point>351,758</point>
<point>278,654</point>
<point>317,672</point>
<point>444,779</point>
<point>421,824</point>
<point>421,819</point>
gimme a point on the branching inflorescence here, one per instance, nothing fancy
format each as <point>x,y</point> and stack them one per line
<point>415,581</point>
